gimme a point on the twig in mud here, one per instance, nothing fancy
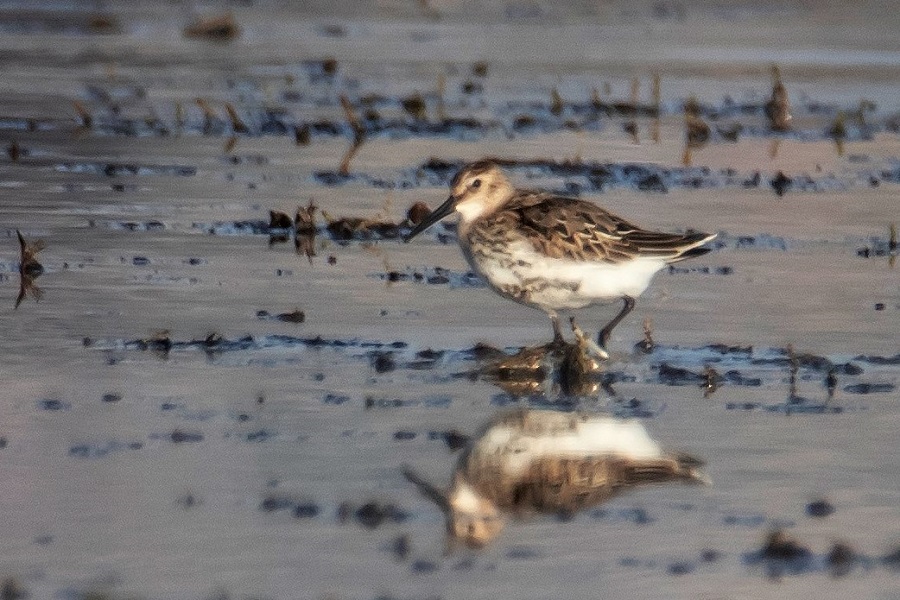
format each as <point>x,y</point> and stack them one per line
<point>711,384</point>
<point>305,230</point>
<point>696,131</point>
<point>556,102</point>
<point>209,115</point>
<point>778,108</point>
<point>230,143</point>
<point>892,246</point>
<point>14,151</point>
<point>831,382</point>
<point>631,125</point>
<point>657,108</point>
<point>441,88</point>
<point>237,126</point>
<point>646,345</point>
<point>864,107</point>
<point>221,28</point>
<point>29,269</point>
<point>598,103</point>
<point>794,367</point>
<point>838,132</point>
<point>359,135</point>
<point>83,113</point>
<point>179,116</point>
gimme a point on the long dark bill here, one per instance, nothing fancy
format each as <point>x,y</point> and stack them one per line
<point>436,215</point>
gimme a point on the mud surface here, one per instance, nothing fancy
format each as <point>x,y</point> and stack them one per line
<point>208,399</point>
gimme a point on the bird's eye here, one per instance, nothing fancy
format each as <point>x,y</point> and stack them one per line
<point>476,184</point>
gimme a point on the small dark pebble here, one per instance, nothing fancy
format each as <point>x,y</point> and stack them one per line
<point>297,316</point>
<point>279,220</point>
<point>111,397</point>
<point>372,514</point>
<point>472,87</point>
<point>51,404</point>
<point>819,508</point>
<point>522,553</point>
<point>455,440</point>
<point>179,436</point>
<point>3,443</point>
<point>344,512</point>
<point>187,501</point>
<point>401,546</point>
<point>781,183</point>
<point>273,503</point>
<point>335,399</point>
<point>306,510</point>
<point>753,181</point>
<point>840,559</point>
<point>168,406</point>
<point>779,545</point>
<point>680,568</point>
<point>383,362</point>
<point>13,590</point>
<point>140,261</point>
<point>709,555</point>
<point>424,566</point>
<point>332,260</point>
<point>258,436</point>
<point>404,435</point>
<point>879,306</point>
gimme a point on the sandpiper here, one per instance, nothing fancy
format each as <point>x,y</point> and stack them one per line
<point>540,461</point>
<point>555,253</point>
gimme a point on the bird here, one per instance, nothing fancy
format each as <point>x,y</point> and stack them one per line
<point>528,461</point>
<point>555,253</point>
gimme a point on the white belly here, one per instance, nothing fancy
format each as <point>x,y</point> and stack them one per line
<point>559,284</point>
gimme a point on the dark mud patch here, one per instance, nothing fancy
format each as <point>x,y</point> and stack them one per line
<point>781,554</point>
<point>245,343</point>
<point>126,169</point>
<point>434,276</point>
<point>295,316</point>
<point>101,450</point>
<point>870,388</point>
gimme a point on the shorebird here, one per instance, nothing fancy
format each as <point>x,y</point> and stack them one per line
<point>541,461</point>
<point>555,253</point>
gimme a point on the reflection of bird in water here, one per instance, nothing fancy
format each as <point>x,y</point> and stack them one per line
<point>29,268</point>
<point>555,253</point>
<point>531,461</point>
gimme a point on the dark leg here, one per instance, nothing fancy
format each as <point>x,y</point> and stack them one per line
<point>557,333</point>
<point>603,336</point>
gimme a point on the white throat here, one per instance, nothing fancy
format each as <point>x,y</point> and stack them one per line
<point>469,211</point>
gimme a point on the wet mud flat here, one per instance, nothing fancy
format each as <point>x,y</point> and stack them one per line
<point>224,365</point>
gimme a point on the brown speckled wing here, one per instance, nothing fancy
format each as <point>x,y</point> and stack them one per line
<point>578,230</point>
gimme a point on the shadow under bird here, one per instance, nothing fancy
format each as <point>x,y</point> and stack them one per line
<point>555,253</point>
<point>541,461</point>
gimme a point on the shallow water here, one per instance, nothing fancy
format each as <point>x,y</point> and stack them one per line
<point>231,455</point>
